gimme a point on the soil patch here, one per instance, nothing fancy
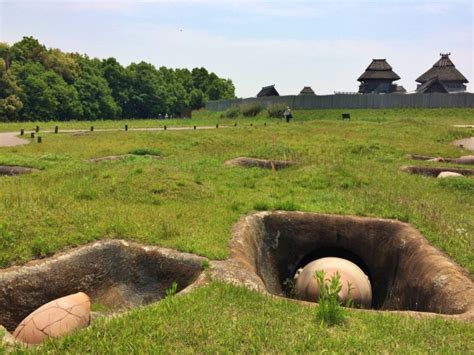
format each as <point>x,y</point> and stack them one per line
<point>11,140</point>
<point>466,159</point>
<point>466,143</point>
<point>434,172</point>
<point>120,157</point>
<point>114,273</point>
<point>15,170</point>
<point>405,271</point>
<point>259,163</point>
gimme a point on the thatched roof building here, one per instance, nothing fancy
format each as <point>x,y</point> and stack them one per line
<point>378,78</point>
<point>446,73</point>
<point>306,91</point>
<point>432,85</point>
<point>268,91</point>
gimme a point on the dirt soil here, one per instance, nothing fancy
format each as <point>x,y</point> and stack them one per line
<point>259,163</point>
<point>466,159</point>
<point>15,170</point>
<point>434,172</point>
<point>11,140</point>
<point>466,143</point>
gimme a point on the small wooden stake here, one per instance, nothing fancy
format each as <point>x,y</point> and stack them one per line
<point>92,128</point>
<point>56,129</point>
<point>235,124</point>
<point>126,127</point>
<point>194,127</point>
<point>39,140</point>
<point>165,128</point>
<point>32,134</point>
<point>22,132</point>
<point>217,125</point>
<point>37,129</point>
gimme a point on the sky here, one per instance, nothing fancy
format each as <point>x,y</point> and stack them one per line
<point>323,44</point>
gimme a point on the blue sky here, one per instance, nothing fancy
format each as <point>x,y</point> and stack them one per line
<point>323,44</point>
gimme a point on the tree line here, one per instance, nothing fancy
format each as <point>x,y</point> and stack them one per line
<point>37,83</point>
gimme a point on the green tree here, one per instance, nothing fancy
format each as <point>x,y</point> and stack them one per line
<point>28,49</point>
<point>39,101</point>
<point>94,92</point>
<point>197,99</point>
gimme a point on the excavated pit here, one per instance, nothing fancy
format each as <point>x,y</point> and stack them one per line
<point>114,273</point>
<point>405,271</point>
<point>434,172</point>
<point>15,170</point>
<point>121,157</point>
<point>466,159</point>
<point>245,162</point>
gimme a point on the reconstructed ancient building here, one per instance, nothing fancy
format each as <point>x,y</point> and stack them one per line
<point>306,91</point>
<point>268,91</point>
<point>442,77</point>
<point>378,78</point>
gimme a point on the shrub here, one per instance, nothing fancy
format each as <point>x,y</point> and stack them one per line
<point>329,311</point>
<point>231,112</point>
<point>276,110</point>
<point>251,109</point>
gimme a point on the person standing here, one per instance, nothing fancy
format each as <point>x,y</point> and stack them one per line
<point>288,115</point>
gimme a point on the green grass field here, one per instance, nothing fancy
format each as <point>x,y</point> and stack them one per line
<point>189,201</point>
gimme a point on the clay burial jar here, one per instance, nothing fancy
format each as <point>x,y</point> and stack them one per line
<point>447,174</point>
<point>351,276</point>
<point>54,319</point>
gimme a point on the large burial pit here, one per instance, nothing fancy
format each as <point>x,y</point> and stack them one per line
<point>114,273</point>
<point>405,271</point>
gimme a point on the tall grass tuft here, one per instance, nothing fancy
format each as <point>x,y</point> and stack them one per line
<point>330,311</point>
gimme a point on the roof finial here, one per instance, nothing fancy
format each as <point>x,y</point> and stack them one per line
<point>445,55</point>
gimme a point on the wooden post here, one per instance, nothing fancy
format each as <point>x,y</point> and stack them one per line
<point>251,124</point>
<point>37,129</point>
<point>126,127</point>
<point>32,135</point>
<point>56,129</point>
<point>264,123</point>
<point>39,140</point>
<point>22,132</point>
<point>194,127</point>
<point>346,116</point>
<point>217,125</point>
<point>235,124</point>
<point>92,128</point>
<point>165,128</point>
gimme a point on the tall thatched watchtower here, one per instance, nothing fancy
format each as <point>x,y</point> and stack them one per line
<point>442,77</point>
<point>378,78</point>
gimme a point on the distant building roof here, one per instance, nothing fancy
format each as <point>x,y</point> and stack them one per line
<point>268,91</point>
<point>307,91</point>
<point>400,89</point>
<point>379,69</point>
<point>432,85</point>
<point>444,69</point>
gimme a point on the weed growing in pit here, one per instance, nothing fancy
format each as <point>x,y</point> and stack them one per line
<point>330,311</point>
<point>172,290</point>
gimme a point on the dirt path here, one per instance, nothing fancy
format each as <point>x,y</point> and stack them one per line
<point>10,139</point>
<point>466,143</point>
